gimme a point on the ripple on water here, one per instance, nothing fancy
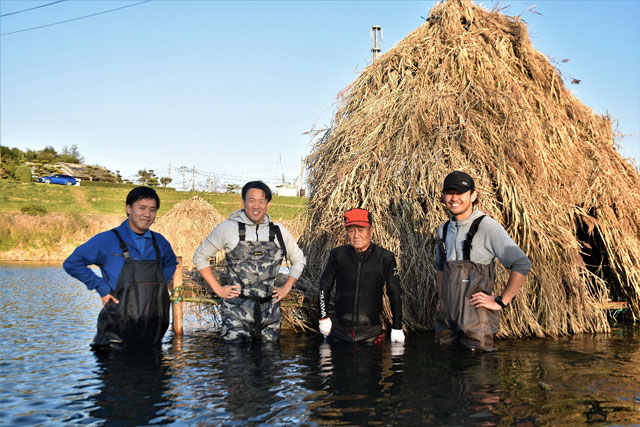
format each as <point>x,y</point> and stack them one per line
<point>50,376</point>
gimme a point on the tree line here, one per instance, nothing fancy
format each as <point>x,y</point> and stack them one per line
<point>41,162</point>
<point>25,165</point>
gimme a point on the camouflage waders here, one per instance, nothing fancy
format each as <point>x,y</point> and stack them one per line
<point>457,318</point>
<point>253,265</point>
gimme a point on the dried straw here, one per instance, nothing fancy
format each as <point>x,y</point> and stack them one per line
<point>467,91</point>
<point>186,225</point>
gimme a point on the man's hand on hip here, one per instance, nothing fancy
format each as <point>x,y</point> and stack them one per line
<point>108,297</point>
<point>228,292</point>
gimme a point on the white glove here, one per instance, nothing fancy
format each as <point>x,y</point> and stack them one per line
<point>325,326</point>
<point>397,335</point>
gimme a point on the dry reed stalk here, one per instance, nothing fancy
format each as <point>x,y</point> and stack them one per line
<point>467,91</point>
<point>186,225</point>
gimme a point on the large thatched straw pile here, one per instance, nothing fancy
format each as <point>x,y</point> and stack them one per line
<point>467,90</point>
<point>186,225</point>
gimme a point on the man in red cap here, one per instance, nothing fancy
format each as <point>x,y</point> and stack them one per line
<point>359,270</point>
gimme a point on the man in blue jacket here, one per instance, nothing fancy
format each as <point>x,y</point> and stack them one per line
<point>136,265</point>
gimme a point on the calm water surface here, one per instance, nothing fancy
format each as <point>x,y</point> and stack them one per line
<point>50,376</point>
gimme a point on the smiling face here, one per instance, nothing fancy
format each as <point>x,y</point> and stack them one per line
<point>255,205</point>
<point>359,237</point>
<point>460,205</point>
<point>142,213</point>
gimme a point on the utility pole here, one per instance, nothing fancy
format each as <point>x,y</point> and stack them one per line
<point>376,42</point>
<point>209,182</point>
<point>169,173</point>
<point>301,174</point>
<point>193,178</point>
<point>183,169</point>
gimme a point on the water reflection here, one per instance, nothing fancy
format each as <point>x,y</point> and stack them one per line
<point>358,381</point>
<point>448,385</point>
<point>50,376</point>
<point>133,388</point>
<point>249,372</point>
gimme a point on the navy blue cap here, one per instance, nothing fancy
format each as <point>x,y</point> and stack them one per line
<point>460,181</point>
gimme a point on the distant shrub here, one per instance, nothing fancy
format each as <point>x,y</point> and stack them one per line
<point>22,174</point>
<point>87,183</point>
<point>33,209</point>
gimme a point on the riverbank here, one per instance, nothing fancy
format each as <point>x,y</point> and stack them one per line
<point>50,237</point>
<point>40,222</point>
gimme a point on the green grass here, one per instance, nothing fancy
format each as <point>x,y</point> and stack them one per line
<point>109,199</point>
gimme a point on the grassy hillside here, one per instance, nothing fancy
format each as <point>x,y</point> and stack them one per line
<point>109,199</point>
<point>69,215</point>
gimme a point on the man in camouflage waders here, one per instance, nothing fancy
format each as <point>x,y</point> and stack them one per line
<point>255,248</point>
<point>468,243</point>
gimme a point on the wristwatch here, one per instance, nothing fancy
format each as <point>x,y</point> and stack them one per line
<point>500,303</point>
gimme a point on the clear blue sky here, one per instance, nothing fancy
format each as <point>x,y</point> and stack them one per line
<point>230,87</point>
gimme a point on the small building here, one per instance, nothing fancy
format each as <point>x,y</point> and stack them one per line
<point>288,190</point>
<point>87,172</point>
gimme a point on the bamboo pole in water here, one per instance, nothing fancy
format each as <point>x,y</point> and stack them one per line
<point>176,309</point>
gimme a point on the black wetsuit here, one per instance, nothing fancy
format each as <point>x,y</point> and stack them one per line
<point>360,280</point>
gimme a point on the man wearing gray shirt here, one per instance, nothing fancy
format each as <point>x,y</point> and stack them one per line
<point>255,248</point>
<point>468,310</point>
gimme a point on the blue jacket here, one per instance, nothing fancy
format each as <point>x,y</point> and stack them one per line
<point>104,251</point>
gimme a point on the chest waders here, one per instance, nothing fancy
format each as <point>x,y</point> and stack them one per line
<point>254,266</point>
<point>141,318</point>
<point>457,318</point>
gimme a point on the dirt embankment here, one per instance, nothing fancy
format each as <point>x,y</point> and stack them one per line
<point>50,237</point>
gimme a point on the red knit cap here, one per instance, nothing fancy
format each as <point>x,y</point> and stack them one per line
<point>357,217</point>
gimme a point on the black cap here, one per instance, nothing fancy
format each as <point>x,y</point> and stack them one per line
<point>459,181</point>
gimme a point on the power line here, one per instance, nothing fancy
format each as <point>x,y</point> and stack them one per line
<point>75,19</point>
<point>31,8</point>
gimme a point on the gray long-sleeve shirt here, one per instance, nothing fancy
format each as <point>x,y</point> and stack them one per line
<point>490,241</point>
<point>225,237</point>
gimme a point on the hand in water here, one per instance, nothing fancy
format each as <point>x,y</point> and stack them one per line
<point>397,335</point>
<point>324,325</point>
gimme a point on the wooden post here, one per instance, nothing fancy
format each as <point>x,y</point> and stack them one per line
<point>177,305</point>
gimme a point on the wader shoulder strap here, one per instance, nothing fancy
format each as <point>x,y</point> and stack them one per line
<point>242,232</point>
<point>278,234</point>
<point>466,245</point>
<point>272,232</point>
<point>443,240</point>
<point>123,245</point>
<point>155,245</point>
